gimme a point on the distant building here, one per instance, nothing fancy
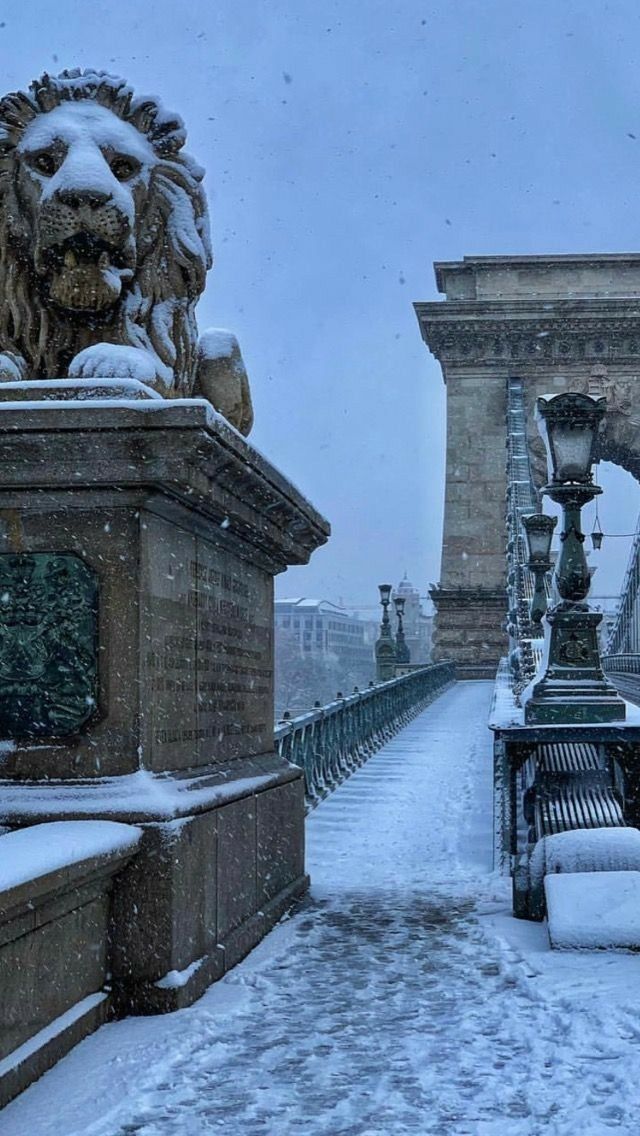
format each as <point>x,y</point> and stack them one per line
<point>418,623</point>
<point>322,629</point>
<point>319,649</point>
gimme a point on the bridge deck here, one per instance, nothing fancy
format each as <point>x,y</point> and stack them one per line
<point>402,998</point>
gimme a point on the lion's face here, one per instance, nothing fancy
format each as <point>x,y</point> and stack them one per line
<point>82,181</point>
<point>104,235</point>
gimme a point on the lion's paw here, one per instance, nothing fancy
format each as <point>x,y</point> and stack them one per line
<point>113,361</point>
<point>13,368</point>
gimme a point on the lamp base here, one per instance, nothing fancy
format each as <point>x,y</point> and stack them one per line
<point>573,689</point>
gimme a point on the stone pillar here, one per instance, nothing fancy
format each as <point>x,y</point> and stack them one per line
<point>470,599</point>
<point>139,545</point>
<point>559,323</point>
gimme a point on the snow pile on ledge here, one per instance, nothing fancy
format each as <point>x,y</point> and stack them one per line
<point>586,850</point>
<point>176,978</point>
<point>217,343</point>
<point>594,910</point>
<point>43,848</point>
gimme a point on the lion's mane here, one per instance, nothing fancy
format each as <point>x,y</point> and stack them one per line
<point>172,236</point>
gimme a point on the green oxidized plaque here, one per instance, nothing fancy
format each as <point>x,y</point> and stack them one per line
<point>48,644</point>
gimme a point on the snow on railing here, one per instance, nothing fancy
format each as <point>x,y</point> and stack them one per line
<point>330,742</point>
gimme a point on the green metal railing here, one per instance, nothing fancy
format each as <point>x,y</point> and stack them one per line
<point>621,664</point>
<point>522,498</point>
<point>624,637</point>
<point>330,742</point>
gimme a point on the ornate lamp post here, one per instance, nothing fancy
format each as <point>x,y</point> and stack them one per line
<point>538,531</point>
<point>573,688</point>
<point>385,646</point>
<point>403,654</point>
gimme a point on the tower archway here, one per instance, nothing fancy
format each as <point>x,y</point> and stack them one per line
<point>559,323</point>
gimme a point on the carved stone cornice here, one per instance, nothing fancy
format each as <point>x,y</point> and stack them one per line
<point>469,597</point>
<point>618,271</point>
<point>178,453</point>
<point>498,333</point>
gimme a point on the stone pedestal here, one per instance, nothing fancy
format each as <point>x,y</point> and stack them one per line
<point>469,629</point>
<point>573,688</point>
<point>138,545</point>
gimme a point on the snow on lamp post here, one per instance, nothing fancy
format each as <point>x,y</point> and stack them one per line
<point>572,688</point>
<point>403,654</point>
<point>385,646</point>
<point>538,531</point>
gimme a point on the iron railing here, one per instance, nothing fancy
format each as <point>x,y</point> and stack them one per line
<point>621,664</point>
<point>624,637</point>
<point>522,498</point>
<point>330,742</point>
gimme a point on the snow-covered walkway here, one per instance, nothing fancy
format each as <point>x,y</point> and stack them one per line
<point>402,998</point>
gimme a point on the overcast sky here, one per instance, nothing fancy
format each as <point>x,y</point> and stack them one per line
<point>348,145</point>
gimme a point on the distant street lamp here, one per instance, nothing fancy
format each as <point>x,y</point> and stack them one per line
<point>403,654</point>
<point>538,531</point>
<point>385,646</point>
<point>597,536</point>
<point>573,688</point>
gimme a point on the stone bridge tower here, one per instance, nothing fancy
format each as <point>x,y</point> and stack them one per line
<point>558,323</point>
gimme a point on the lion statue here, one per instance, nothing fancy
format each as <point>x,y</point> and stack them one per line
<point>104,245</point>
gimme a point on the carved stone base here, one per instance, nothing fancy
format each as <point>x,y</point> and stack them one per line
<point>573,689</point>
<point>468,629</point>
<point>157,530</point>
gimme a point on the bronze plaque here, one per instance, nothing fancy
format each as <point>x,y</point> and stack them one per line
<point>48,644</point>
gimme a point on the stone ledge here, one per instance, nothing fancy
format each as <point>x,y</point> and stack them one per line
<point>535,265</point>
<point>76,390</point>
<point>50,1045</point>
<point>101,849</point>
<point>54,935</point>
<point>180,449</point>
<point>143,796</point>
<point>452,598</point>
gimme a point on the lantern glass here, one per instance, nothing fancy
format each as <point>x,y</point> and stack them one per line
<point>385,592</point>
<point>572,447</point>
<point>399,604</point>
<point>596,540</point>
<point>568,424</point>
<point>538,528</point>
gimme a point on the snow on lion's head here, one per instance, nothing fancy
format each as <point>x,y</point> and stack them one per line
<point>104,241</point>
